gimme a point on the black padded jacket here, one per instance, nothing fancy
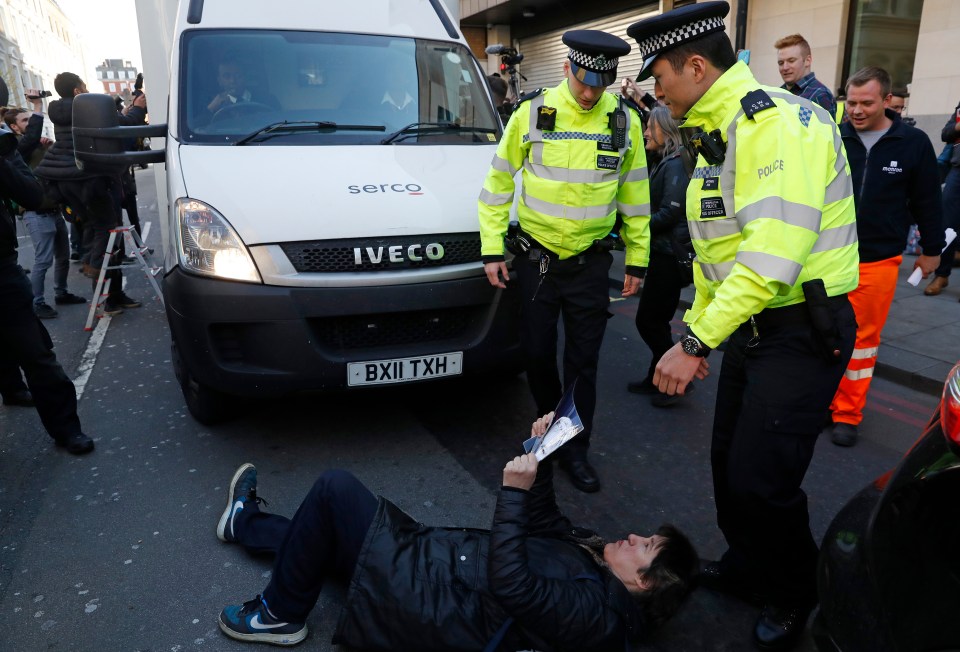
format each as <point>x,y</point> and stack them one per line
<point>526,580</point>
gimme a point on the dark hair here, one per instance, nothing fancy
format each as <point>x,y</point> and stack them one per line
<point>9,114</point>
<point>900,92</point>
<point>715,48</point>
<point>498,87</point>
<point>672,574</point>
<point>66,83</point>
<point>868,74</point>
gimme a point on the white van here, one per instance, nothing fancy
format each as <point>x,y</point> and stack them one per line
<point>323,162</point>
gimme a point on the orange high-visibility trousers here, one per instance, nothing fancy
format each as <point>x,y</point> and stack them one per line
<point>871,304</point>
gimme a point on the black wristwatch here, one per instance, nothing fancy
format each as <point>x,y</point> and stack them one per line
<point>693,346</point>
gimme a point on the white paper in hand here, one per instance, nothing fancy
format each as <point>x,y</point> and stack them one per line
<point>917,274</point>
<point>566,425</point>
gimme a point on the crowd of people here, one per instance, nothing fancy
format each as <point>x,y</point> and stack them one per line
<point>794,272</point>
<point>41,183</point>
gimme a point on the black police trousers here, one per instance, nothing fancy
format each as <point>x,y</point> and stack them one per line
<point>25,342</point>
<point>773,400</point>
<point>579,292</point>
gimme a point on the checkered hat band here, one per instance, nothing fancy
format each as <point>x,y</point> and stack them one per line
<point>679,35</point>
<point>596,63</point>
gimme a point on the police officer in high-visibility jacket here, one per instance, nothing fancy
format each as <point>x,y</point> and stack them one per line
<point>771,215</point>
<point>583,162</point>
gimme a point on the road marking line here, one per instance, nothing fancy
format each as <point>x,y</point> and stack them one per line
<point>89,359</point>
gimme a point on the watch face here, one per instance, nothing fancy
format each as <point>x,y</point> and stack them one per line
<point>691,346</point>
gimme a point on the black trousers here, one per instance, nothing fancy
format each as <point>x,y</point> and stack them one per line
<point>98,202</point>
<point>25,343</point>
<point>580,293</point>
<point>322,541</point>
<point>772,402</point>
<point>658,304</point>
<point>951,218</point>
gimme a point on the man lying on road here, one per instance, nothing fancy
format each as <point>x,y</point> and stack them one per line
<point>531,581</point>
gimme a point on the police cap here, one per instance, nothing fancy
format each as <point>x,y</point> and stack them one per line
<point>656,35</point>
<point>594,55</point>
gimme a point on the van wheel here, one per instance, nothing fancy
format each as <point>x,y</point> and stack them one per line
<point>206,405</point>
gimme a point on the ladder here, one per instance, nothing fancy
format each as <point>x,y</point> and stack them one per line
<point>141,254</point>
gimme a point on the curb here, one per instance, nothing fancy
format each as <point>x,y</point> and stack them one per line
<point>908,379</point>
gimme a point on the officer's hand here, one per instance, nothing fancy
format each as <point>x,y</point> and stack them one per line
<point>539,427</point>
<point>676,369</point>
<point>927,264</point>
<point>494,271</point>
<point>520,472</point>
<point>141,101</point>
<point>631,285</point>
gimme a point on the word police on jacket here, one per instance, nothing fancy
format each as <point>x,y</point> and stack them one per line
<point>397,253</point>
<point>767,170</point>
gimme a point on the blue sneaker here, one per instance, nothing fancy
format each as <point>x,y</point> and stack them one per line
<point>251,621</point>
<point>242,494</point>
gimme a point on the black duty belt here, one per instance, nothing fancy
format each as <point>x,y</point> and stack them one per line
<point>796,313</point>
<point>537,249</point>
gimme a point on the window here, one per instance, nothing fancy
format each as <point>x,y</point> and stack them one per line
<point>238,81</point>
<point>883,33</point>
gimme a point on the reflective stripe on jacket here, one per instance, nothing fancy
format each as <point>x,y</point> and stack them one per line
<point>574,181</point>
<point>777,213</point>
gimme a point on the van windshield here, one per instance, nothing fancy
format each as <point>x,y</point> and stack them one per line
<point>357,89</point>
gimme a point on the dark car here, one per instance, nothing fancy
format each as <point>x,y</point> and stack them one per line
<point>889,572</point>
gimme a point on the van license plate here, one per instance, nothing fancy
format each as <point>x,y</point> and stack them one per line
<point>404,370</point>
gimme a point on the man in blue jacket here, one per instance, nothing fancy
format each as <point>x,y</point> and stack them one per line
<point>531,581</point>
<point>895,185</point>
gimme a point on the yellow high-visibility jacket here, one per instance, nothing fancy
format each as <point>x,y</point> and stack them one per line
<point>574,180</point>
<point>778,212</point>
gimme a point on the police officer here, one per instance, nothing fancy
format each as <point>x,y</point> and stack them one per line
<point>771,214</point>
<point>583,162</point>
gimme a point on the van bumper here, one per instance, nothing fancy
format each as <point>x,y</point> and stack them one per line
<point>254,340</point>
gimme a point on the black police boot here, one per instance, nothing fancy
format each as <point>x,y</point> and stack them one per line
<point>582,474</point>
<point>780,628</point>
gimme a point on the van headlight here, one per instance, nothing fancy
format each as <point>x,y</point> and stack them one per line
<point>208,244</point>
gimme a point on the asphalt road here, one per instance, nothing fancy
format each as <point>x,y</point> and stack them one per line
<point>117,550</point>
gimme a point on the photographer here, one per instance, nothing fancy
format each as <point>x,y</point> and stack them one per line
<point>24,342</point>
<point>93,194</point>
<point>48,231</point>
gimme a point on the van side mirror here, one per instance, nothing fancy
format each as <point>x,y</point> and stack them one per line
<point>101,144</point>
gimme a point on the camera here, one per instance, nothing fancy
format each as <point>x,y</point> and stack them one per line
<point>42,94</point>
<point>508,56</point>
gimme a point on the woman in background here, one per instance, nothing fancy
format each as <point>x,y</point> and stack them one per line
<point>669,239</point>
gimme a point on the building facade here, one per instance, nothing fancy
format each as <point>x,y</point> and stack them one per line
<point>37,42</point>
<point>917,41</point>
<point>118,77</point>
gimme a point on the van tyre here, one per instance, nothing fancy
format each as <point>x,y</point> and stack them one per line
<point>207,405</point>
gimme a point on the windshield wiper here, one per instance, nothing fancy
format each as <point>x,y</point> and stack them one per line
<point>428,128</point>
<point>286,127</point>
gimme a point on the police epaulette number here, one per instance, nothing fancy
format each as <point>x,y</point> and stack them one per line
<point>756,101</point>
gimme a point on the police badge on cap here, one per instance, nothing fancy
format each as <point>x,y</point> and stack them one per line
<point>656,35</point>
<point>594,55</point>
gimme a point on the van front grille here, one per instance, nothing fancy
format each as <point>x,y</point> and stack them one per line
<point>394,329</point>
<point>383,254</point>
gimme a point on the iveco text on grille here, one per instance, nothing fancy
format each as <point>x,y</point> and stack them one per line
<point>395,254</point>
